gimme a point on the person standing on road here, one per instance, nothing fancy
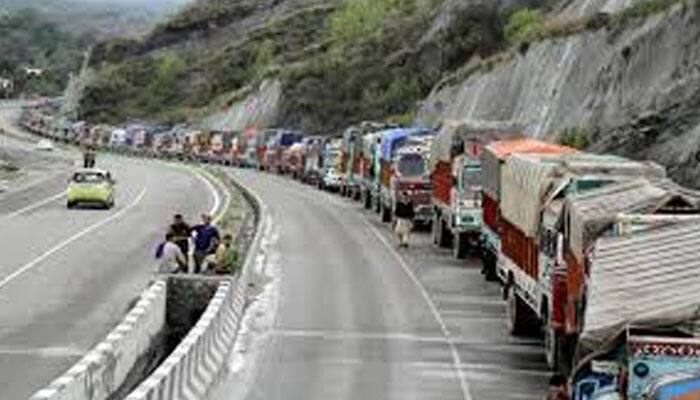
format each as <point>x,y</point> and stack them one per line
<point>171,258</point>
<point>205,240</point>
<point>405,215</point>
<point>181,233</point>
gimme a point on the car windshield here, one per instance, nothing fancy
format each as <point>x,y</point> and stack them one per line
<point>411,165</point>
<point>89,177</point>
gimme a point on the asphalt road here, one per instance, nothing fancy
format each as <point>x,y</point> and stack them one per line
<point>68,277</point>
<point>358,319</point>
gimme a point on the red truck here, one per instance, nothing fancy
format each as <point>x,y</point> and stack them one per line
<point>455,172</point>
<point>531,183</point>
<point>492,159</point>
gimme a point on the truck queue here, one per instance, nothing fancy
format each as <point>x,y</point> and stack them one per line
<point>594,252</point>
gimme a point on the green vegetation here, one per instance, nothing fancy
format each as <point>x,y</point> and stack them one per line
<point>523,25</point>
<point>29,40</point>
<point>578,138</point>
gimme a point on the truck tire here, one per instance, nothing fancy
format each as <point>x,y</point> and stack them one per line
<point>518,315</point>
<point>367,200</point>
<point>386,213</point>
<point>460,246</point>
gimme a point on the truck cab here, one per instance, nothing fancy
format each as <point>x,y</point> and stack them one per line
<point>466,203</point>
<point>410,176</point>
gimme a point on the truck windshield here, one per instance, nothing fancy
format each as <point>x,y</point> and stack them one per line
<point>411,165</point>
<point>471,177</point>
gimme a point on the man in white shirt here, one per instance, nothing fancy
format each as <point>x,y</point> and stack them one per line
<point>171,258</point>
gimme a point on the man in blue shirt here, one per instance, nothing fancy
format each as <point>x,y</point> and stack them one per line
<point>205,241</point>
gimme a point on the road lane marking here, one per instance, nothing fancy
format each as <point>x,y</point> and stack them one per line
<point>457,360</point>
<point>71,239</point>
<point>44,352</point>
<point>208,177</point>
<point>212,189</point>
<point>35,205</point>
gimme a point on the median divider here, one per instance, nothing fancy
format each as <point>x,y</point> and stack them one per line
<point>107,366</point>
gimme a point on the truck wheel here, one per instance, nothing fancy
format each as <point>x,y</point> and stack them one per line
<point>517,314</point>
<point>367,200</point>
<point>460,246</point>
<point>386,213</point>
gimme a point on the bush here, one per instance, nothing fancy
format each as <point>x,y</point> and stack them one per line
<point>523,25</point>
<point>578,138</point>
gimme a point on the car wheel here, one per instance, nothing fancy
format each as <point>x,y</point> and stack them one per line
<point>70,205</point>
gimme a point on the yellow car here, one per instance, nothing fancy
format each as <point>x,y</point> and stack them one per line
<point>91,186</point>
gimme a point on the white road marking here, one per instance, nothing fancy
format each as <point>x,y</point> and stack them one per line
<point>217,202</point>
<point>466,395</point>
<point>212,189</point>
<point>45,352</point>
<point>35,205</point>
<point>70,240</point>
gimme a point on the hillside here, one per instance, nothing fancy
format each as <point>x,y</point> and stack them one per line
<point>327,62</point>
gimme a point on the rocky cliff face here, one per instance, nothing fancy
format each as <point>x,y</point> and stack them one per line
<point>624,82</point>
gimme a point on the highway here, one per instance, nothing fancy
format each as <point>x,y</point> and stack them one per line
<point>359,319</point>
<point>68,277</point>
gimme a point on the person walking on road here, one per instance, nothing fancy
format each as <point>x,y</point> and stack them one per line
<point>205,240</point>
<point>181,233</point>
<point>171,258</point>
<point>405,214</point>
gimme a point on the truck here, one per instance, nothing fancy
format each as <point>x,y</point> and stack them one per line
<point>353,157</point>
<point>331,158</point>
<point>492,159</point>
<point>312,168</point>
<point>389,177</point>
<point>369,168</point>
<point>293,160</point>
<point>639,337</point>
<point>276,146</point>
<point>531,183</point>
<point>573,224</point>
<point>455,176</point>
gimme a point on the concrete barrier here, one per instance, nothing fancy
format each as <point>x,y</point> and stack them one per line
<point>106,367</point>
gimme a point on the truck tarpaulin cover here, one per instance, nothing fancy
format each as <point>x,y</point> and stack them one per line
<point>495,153</point>
<point>593,211</point>
<point>650,278</point>
<point>393,138</point>
<point>481,132</point>
<point>525,181</point>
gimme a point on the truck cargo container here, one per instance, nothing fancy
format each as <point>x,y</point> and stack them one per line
<point>353,156</point>
<point>455,173</point>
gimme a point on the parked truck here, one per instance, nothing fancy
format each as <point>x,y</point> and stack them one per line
<point>369,169</point>
<point>331,158</point>
<point>531,183</point>
<point>570,228</point>
<point>639,336</point>
<point>353,157</point>
<point>390,178</point>
<point>492,159</point>
<point>455,174</point>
